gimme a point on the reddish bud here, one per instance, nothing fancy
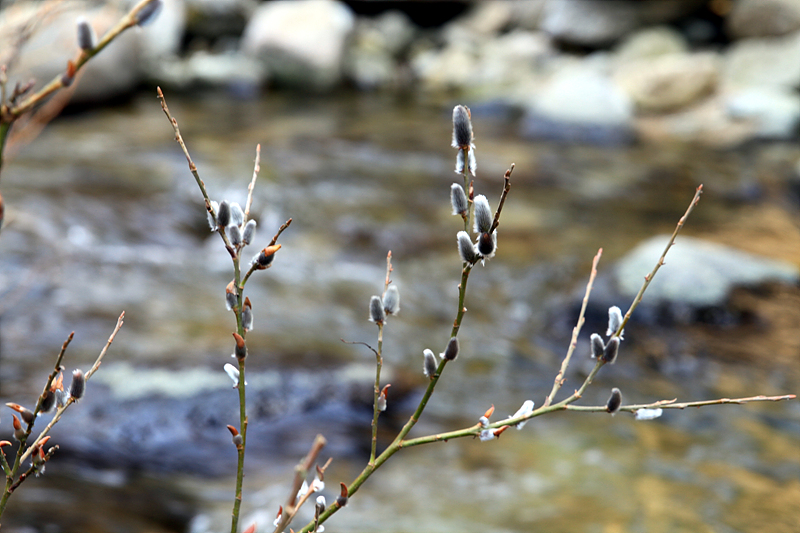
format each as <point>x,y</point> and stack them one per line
<point>24,413</point>
<point>250,529</point>
<point>499,431</point>
<point>231,296</point>
<point>265,257</point>
<point>19,433</point>
<point>233,430</point>
<point>4,443</point>
<point>241,350</point>
<point>341,500</point>
<point>489,412</point>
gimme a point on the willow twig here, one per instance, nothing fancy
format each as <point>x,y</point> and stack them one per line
<point>649,277</point>
<point>398,441</point>
<point>573,343</point>
<point>301,472</point>
<point>256,169</point>
<point>60,411</point>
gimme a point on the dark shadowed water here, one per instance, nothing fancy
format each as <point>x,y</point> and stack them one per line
<point>102,215</point>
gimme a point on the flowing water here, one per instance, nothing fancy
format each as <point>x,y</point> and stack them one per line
<point>102,215</point>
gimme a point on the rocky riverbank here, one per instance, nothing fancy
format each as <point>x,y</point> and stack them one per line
<point>718,73</point>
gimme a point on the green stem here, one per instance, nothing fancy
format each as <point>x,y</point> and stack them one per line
<point>376,393</point>
<point>237,502</point>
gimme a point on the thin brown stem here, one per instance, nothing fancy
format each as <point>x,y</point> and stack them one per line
<point>573,343</point>
<point>70,401</point>
<point>256,170</point>
<point>301,472</point>
<point>649,277</point>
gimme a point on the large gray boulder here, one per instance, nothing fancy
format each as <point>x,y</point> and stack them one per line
<point>302,43</point>
<point>580,103</point>
<point>697,273</point>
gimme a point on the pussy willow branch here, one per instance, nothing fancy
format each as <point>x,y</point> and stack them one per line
<point>475,430</point>
<point>10,114</point>
<point>301,473</point>
<point>70,401</point>
<point>32,469</point>
<point>128,21</point>
<point>648,278</point>
<point>573,343</point>
<point>397,443</point>
<point>254,266</point>
<point>378,365</point>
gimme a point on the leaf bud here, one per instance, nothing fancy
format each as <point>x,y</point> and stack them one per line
<point>234,234</point>
<point>487,245</point>
<point>391,300</point>
<point>78,385</point>
<point>382,397</point>
<point>614,321</point>
<point>466,249</point>
<point>237,215</point>
<point>148,14</point>
<point>376,312</point>
<point>598,346</point>
<point>241,349</point>
<point>24,413</point>
<point>224,214</point>
<point>249,232</point>
<point>462,128</point>
<point>231,298</point>
<point>247,315</point>
<point>341,500</point>
<point>19,433</point>
<point>614,401</point>
<point>429,364</point>
<point>265,257</point>
<point>87,39</point>
<point>483,214</point>
<point>451,351</point>
<point>612,348</point>
<point>458,199</point>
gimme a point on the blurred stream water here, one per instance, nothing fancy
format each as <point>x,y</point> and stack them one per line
<point>103,215</point>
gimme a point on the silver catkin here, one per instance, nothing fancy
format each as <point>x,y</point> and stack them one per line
<point>466,249</point>
<point>78,385</point>
<point>611,351</point>
<point>376,312</point>
<point>614,401</point>
<point>429,363</point>
<point>451,352</point>
<point>148,13</point>
<point>224,214</point>
<point>249,232</point>
<point>462,127</point>
<point>598,346</point>
<point>87,39</point>
<point>483,214</point>
<point>458,199</point>
<point>391,300</point>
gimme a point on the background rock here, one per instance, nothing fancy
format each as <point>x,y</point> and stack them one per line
<point>759,62</point>
<point>590,23</point>
<point>700,273</point>
<point>668,82</point>
<point>651,42</point>
<point>579,103</point>
<point>775,112</point>
<point>302,43</point>
<point>763,18</point>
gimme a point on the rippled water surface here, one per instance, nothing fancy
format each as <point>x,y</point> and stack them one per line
<point>103,215</point>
